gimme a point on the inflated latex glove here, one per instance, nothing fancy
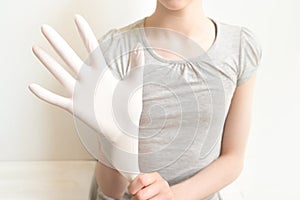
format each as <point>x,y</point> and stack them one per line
<point>122,135</point>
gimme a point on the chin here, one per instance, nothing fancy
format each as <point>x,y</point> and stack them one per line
<point>174,5</point>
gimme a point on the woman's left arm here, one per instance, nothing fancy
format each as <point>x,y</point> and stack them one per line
<point>219,173</point>
<point>229,165</point>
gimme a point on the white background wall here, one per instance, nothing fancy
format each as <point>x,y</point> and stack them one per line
<point>33,130</point>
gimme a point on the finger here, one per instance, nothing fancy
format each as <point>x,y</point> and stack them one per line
<point>159,197</point>
<point>56,69</point>
<point>62,48</point>
<point>149,192</point>
<point>140,182</point>
<point>96,57</point>
<point>137,57</point>
<point>51,97</point>
<point>86,33</point>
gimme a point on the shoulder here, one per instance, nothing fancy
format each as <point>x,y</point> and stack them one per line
<point>229,29</point>
<point>136,24</point>
<point>236,36</point>
<point>115,31</point>
<point>238,40</point>
<point>241,45</point>
<point>243,36</point>
<point>250,47</point>
<point>121,37</point>
<point>234,29</point>
<point>116,45</point>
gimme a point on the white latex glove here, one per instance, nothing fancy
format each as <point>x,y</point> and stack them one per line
<point>123,138</point>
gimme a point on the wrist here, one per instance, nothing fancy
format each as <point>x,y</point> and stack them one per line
<point>180,190</point>
<point>176,191</point>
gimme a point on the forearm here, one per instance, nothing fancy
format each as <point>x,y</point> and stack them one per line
<point>211,179</point>
<point>110,181</point>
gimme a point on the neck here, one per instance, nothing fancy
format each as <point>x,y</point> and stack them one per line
<point>187,20</point>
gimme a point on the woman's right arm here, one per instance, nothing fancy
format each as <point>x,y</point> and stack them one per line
<point>110,181</point>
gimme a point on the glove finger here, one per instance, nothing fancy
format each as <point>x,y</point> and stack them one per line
<point>51,97</point>
<point>55,68</point>
<point>62,48</point>
<point>86,33</point>
<point>96,57</point>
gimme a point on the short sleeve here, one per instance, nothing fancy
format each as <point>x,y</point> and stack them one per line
<point>249,57</point>
<point>112,45</point>
<point>106,40</point>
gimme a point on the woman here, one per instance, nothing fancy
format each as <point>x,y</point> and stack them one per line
<point>215,99</point>
<point>238,53</point>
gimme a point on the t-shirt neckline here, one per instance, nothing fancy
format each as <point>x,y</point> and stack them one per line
<point>158,57</point>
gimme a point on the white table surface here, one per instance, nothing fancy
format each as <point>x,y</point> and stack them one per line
<point>46,180</point>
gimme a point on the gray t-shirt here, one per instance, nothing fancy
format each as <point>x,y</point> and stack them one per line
<point>185,101</point>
